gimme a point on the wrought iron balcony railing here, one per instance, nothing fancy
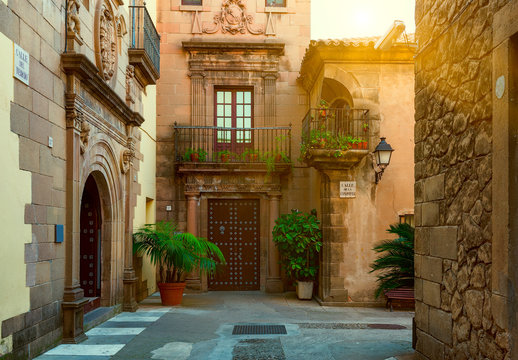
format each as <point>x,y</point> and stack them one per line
<point>336,129</point>
<point>144,35</point>
<point>211,144</point>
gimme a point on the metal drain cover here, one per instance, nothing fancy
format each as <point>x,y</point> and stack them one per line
<point>259,330</point>
<point>386,326</point>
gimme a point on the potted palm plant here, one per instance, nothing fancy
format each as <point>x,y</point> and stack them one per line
<point>175,254</point>
<point>298,238</point>
<point>395,264</point>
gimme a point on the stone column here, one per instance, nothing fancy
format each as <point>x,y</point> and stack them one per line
<point>273,279</point>
<point>73,297</point>
<point>334,233</point>
<point>193,280</point>
<point>197,98</point>
<point>129,279</point>
<point>270,80</point>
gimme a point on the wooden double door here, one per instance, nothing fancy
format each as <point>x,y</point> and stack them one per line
<point>90,244</point>
<point>234,226</point>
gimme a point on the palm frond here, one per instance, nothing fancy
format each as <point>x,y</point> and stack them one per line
<point>395,263</point>
<point>176,253</point>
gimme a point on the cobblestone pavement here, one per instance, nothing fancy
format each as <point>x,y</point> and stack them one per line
<point>202,328</point>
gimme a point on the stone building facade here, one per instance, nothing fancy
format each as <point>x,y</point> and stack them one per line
<point>245,66</point>
<point>465,174</point>
<point>230,56</point>
<point>372,79</point>
<point>73,149</point>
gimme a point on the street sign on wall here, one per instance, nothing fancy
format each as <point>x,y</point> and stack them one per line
<point>347,189</point>
<point>21,64</point>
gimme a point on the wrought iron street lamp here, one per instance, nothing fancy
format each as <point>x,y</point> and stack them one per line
<point>382,155</point>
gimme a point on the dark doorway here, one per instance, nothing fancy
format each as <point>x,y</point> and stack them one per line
<point>90,248</point>
<point>234,227</point>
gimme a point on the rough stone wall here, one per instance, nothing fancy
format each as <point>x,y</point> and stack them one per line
<point>453,194</point>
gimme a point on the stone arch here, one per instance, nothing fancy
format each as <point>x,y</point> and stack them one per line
<point>345,79</point>
<point>335,92</point>
<point>101,163</point>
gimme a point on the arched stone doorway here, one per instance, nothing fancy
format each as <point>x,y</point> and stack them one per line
<point>90,267</point>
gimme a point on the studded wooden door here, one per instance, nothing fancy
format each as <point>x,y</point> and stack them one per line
<point>90,268</point>
<point>234,227</point>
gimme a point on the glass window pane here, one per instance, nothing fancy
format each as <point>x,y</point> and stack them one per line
<point>248,97</point>
<point>248,123</point>
<point>220,111</point>
<point>239,109</point>
<point>220,97</point>
<point>228,122</point>
<point>248,110</point>
<point>239,136</point>
<point>248,136</point>
<point>221,122</point>
<point>239,97</point>
<point>239,122</point>
<point>228,97</point>
<point>191,2</point>
<point>278,3</point>
<point>228,110</point>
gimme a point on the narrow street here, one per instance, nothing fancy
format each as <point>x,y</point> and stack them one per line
<point>202,328</point>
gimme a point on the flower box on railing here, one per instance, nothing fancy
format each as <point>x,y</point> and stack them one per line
<point>269,147</point>
<point>339,137</point>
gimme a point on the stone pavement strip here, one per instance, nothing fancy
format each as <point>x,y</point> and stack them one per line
<point>201,328</point>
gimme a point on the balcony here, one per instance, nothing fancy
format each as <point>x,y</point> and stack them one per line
<point>144,51</point>
<point>211,148</point>
<point>335,138</point>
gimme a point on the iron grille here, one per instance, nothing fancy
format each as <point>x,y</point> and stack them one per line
<point>259,330</point>
<point>144,34</point>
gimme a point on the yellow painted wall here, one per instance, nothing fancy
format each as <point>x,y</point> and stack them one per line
<point>15,193</point>
<point>145,210</point>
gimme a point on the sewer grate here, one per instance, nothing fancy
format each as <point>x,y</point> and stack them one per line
<point>386,326</point>
<point>259,330</point>
<point>350,326</point>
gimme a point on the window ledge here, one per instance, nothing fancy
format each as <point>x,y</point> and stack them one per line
<point>277,10</point>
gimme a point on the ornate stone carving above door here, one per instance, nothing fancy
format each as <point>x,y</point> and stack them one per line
<point>234,19</point>
<point>106,55</point>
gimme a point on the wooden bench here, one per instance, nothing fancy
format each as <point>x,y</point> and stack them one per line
<point>403,294</point>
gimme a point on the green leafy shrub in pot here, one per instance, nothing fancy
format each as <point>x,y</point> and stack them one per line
<point>299,239</point>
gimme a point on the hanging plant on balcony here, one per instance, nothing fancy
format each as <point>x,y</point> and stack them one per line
<point>224,156</point>
<point>199,155</point>
<point>250,155</point>
<point>323,110</point>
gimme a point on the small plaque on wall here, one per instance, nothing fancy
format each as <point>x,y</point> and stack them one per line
<point>347,189</point>
<point>60,233</point>
<point>21,64</point>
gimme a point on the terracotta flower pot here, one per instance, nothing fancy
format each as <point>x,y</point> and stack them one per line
<point>253,157</point>
<point>278,158</point>
<point>355,146</point>
<point>171,293</point>
<point>195,157</point>
<point>225,158</point>
<point>364,145</point>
